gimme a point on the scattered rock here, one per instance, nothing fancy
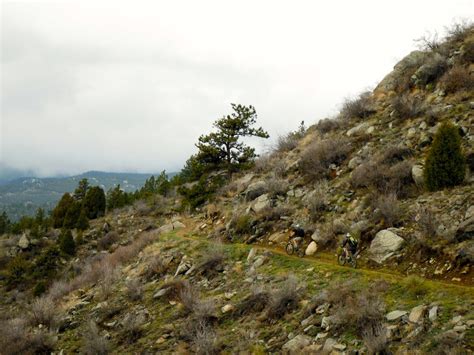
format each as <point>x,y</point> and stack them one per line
<point>295,345</point>
<point>227,308</point>
<point>395,315</point>
<point>261,203</point>
<point>465,230</point>
<point>311,248</point>
<point>161,293</point>
<point>384,245</point>
<point>326,322</point>
<point>417,313</point>
<point>255,189</point>
<point>251,255</point>
<point>308,321</point>
<point>360,128</point>
<point>183,266</point>
<point>433,313</point>
<point>328,345</point>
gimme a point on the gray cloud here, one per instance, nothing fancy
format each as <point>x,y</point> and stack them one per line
<point>118,86</point>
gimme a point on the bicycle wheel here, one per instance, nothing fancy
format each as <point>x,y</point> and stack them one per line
<point>341,259</point>
<point>301,252</point>
<point>353,262</point>
<point>290,249</point>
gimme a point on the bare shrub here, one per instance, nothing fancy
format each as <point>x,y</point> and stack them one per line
<point>17,339</point>
<point>142,208</point>
<point>375,338</point>
<point>176,288</point>
<point>400,179</point>
<point>93,342</point>
<point>212,262</point>
<point>156,267</point>
<point>108,240</point>
<point>429,41</point>
<point>44,311</point>
<point>457,79</point>
<point>204,311</point>
<point>255,302</point>
<point>274,213</point>
<point>134,290</point>
<point>360,107</point>
<point>328,124</point>
<point>427,221</point>
<point>467,55</point>
<point>263,163</point>
<point>284,299</point>
<point>369,174</point>
<point>459,30</point>
<point>205,340</point>
<point>276,186</point>
<point>108,279</point>
<point>132,326</point>
<point>389,209</point>
<point>317,158</point>
<point>405,107</point>
<point>393,154</point>
<point>287,142</point>
<point>318,200</point>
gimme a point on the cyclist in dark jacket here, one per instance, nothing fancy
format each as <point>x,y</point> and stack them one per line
<point>351,243</point>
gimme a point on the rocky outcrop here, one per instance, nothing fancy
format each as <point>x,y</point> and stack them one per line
<point>255,190</point>
<point>384,245</point>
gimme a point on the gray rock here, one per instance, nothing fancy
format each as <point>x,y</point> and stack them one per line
<point>326,322</point>
<point>251,255</point>
<point>417,314</point>
<point>328,345</point>
<point>255,190</point>
<point>384,245</point>
<point>308,321</point>
<point>433,313</point>
<point>295,345</point>
<point>465,230</point>
<point>311,248</point>
<point>417,175</point>
<point>261,203</point>
<point>395,315</point>
<point>24,242</point>
<point>360,128</point>
<point>183,266</point>
<point>160,293</point>
<point>354,163</point>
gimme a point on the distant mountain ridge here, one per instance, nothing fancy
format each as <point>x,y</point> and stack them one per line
<point>23,196</point>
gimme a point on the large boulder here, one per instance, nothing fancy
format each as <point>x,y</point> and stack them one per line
<point>295,345</point>
<point>384,245</point>
<point>389,83</point>
<point>255,190</point>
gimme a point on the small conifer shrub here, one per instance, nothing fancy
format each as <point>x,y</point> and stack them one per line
<point>445,164</point>
<point>66,242</point>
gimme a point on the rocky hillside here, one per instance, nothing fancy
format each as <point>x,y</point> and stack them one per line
<point>150,278</point>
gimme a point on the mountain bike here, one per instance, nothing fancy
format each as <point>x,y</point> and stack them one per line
<point>345,256</point>
<point>294,245</point>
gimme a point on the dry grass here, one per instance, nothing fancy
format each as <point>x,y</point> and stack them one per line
<point>276,186</point>
<point>93,342</point>
<point>317,157</point>
<point>156,267</point>
<point>204,340</point>
<point>393,154</point>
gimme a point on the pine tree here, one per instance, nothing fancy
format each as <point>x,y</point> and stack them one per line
<point>162,184</point>
<point>59,212</point>
<point>66,242</point>
<point>82,222</point>
<point>222,149</point>
<point>445,165</point>
<point>81,189</point>
<point>72,215</point>
<point>4,223</point>
<point>94,203</point>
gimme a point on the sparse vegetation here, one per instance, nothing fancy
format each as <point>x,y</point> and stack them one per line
<point>457,79</point>
<point>406,107</point>
<point>359,108</point>
<point>93,342</point>
<point>388,208</point>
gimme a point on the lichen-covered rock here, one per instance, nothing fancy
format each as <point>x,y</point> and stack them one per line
<point>295,345</point>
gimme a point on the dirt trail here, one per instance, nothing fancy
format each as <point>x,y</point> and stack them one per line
<point>321,258</point>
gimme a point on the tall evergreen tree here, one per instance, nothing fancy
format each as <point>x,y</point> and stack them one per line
<point>94,203</point>
<point>81,189</point>
<point>66,242</point>
<point>59,212</point>
<point>162,184</point>
<point>445,165</point>
<point>223,149</point>
<point>4,223</point>
<point>72,215</point>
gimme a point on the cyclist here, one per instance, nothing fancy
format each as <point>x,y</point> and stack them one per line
<point>350,243</point>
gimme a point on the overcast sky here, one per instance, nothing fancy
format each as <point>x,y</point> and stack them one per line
<point>130,86</point>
